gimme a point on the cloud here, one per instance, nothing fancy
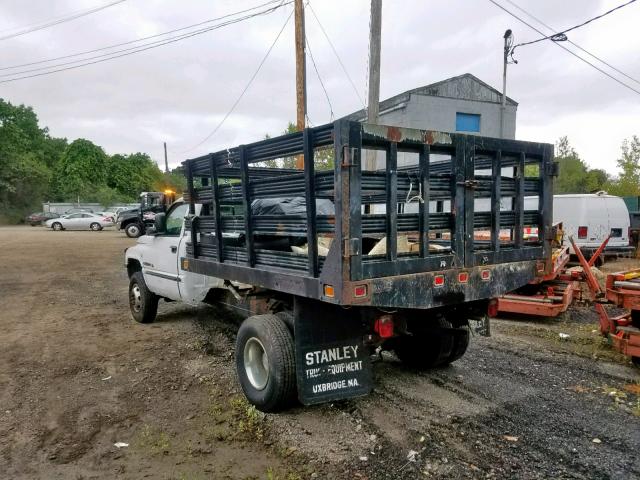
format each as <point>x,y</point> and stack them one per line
<point>178,93</point>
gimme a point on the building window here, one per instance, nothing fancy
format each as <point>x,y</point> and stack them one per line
<point>467,122</point>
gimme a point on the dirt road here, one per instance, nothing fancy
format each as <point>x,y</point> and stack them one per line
<point>78,375</point>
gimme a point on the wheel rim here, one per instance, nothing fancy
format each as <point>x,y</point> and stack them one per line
<point>256,363</point>
<point>56,226</point>
<point>135,298</point>
<point>133,230</point>
<point>95,226</point>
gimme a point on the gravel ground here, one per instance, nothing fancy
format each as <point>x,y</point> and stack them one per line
<point>77,375</point>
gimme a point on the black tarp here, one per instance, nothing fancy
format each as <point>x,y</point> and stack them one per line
<point>290,206</point>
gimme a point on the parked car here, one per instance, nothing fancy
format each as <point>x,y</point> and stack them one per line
<point>39,218</point>
<point>79,221</point>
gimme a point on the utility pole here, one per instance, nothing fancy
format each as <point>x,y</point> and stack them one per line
<point>166,161</point>
<point>507,46</point>
<point>301,75</point>
<point>373,109</point>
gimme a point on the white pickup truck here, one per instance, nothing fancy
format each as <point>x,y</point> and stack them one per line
<point>154,270</point>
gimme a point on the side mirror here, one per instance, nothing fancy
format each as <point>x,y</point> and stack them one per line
<point>160,223</point>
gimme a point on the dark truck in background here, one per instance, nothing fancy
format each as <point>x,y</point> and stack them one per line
<point>134,222</point>
<point>323,290</point>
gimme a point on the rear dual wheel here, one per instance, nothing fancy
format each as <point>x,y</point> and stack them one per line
<point>433,343</point>
<point>265,362</point>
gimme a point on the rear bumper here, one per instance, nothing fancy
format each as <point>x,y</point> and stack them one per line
<point>420,290</point>
<point>610,250</point>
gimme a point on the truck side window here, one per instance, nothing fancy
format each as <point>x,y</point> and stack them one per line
<point>175,218</point>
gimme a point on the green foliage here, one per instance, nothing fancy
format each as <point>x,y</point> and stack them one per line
<point>175,180</point>
<point>575,176</point>
<point>81,170</point>
<point>27,154</point>
<point>628,182</point>
<point>35,167</point>
<point>132,174</point>
<point>323,157</point>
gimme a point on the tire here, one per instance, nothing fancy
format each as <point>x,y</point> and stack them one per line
<point>96,227</point>
<point>265,362</point>
<point>635,361</point>
<point>460,340</point>
<point>133,230</point>
<point>430,345</point>
<point>57,226</point>
<point>143,303</point>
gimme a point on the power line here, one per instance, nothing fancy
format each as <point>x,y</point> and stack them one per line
<point>109,47</point>
<point>344,69</point>
<point>315,67</point>
<point>40,22</point>
<point>573,43</point>
<point>561,37</point>
<point>133,50</point>
<point>235,104</point>
<point>61,20</point>
<point>566,49</point>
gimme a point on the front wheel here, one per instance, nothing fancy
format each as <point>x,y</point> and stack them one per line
<point>142,301</point>
<point>95,227</point>
<point>265,362</point>
<point>57,226</point>
<point>133,230</point>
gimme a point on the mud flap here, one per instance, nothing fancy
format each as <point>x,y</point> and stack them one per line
<point>332,362</point>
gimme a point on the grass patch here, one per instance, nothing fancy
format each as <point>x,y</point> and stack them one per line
<point>233,418</point>
<point>153,440</point>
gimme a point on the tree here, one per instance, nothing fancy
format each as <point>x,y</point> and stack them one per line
<point>573,171</point>
<point>132,174</point>
<point>323,157</point>
<point>24,173</point>
<point>628,182</point>
<point>81,170</point>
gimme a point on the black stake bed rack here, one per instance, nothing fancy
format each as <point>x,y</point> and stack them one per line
<point>439,220</point>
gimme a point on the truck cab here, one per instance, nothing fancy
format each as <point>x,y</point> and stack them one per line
<point>135,222</point>
<point>155,261</point>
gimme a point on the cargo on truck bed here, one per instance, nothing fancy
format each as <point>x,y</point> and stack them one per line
<point>387,238</point>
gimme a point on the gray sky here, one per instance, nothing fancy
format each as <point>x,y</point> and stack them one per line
<point>181,91</point>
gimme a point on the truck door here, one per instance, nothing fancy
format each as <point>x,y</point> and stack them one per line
<point>160,261</point>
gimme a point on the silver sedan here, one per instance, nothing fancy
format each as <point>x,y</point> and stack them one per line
<point>79,221</point>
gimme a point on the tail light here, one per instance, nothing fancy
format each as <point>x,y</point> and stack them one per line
<point>383,326</point>
<point>360,291</point>
<point>582,232</point>
<point>438,280</point>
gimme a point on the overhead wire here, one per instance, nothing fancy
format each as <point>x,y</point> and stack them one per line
<point>68,18</point>
<point>315,67</point>
<point>561,36</point>
<point>565,48</point>
<point>335,52</point>
<point>116,45</point>
<point>130,51</point>
<point>604,62</point>
<point>244,91</point>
